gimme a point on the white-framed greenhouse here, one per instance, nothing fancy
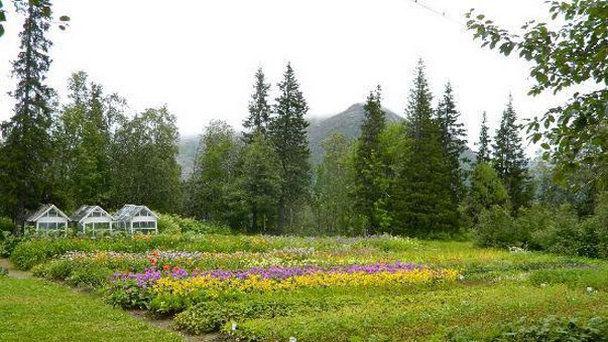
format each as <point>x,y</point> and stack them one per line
<point>48,218</point>
<point>92,219</point>
<point>136,218</point>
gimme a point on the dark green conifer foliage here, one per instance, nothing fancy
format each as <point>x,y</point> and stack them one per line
<point>453,139</point>
<point>288,135</point>
<point>424,204</point>
<point>260,183</point>
<point>483,155</point>
<point>259,109</point>
<point>509,159</point>
<point>370,195</point>
<point>27,150</point>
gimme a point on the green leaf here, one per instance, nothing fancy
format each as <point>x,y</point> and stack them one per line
<point>2,16</point>
<point>64,18</point>
<point>545,146</point>
<point>1,30</point>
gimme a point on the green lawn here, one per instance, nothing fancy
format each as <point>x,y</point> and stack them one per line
<point>36,310</point>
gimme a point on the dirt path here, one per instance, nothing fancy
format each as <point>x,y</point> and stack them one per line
<point>12,271</point>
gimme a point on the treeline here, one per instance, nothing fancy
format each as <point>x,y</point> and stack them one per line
<point>408,178</point>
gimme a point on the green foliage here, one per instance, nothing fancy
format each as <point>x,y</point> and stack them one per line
<point>144,161</point>
<point>423,201</point>
<point>486,191</point>
<point>584,279</point>
<point>260,180</point>
<point>175,224</point>
<point>483,154</point>
<point>453,139</point>
<point>509,159</point>
<point>564,55</point>
<point>555,329</point>
<point>214,192</point>
<point>8,242</point>
<point>259,109</point>
<point>129,296</point>
<point>496,227</point>
<point>6,225</point>
<point>83,138</point>
<point>210,316</point>
<point>370,182</point>
<point>287,132</point>
<point>27,146</point>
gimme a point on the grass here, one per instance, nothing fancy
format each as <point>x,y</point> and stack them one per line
<point>35,310</point>
<point>497,288</point>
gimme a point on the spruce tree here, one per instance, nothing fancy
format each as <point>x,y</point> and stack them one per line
<point>424,203</point>
<point>259,109</point>
<point>27,150</point>
<point>510,160</point>
<point>483,155</point>
<point>369,167</point>
<point>453,139</point>
<point>287,130</point>
<point>260,181</point>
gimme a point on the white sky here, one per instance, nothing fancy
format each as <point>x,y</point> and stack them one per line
<point>199,57</point>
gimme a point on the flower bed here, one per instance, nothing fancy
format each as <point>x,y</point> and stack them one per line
<point>171,290</point>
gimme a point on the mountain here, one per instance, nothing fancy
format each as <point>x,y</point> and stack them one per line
<point>187,152</point>
<point>348,123</point>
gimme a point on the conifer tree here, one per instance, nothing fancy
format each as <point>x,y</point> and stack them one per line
<point>27,149</point>
<point>453,139</point>
<point>287,130</point>
<point>423,198</point>
<point>369,167</point>
<point>509,159</point>
<point>483,155</point>
<point>259,109</point>
<point>260,180</point>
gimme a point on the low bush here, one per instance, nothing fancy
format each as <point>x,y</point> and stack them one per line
<point>8,243</point>
<point>555,329</point>
<point>6,225</point>
<point>210,316</point>
<point>497,228</point>
<point>585,279</point>
<point>172,224</point>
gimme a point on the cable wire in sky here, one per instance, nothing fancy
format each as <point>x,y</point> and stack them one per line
<point>440,13</point>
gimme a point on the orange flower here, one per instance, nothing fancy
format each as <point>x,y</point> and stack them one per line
<point>153,261</point>
<point>166,267</point>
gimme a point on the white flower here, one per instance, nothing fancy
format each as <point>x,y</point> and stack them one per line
<point>589,289</point>
<point>292,339</point>
<point>543,285</point>
<point>460,277</point>
<point>233,326</point>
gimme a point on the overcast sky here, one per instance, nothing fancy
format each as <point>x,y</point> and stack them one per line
<point>199,57</point>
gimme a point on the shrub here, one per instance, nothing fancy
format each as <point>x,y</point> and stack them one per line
<point>593,278</point>
<point>8,243</point>
<point>555,329</point>
<point>171,224</point>
<point>6,225</point>
<point>168,224</point>
<point>496,227</point>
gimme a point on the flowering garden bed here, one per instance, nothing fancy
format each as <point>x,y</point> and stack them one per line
<point>325,289</point>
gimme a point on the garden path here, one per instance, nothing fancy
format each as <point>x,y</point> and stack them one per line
<point>12,271</point>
